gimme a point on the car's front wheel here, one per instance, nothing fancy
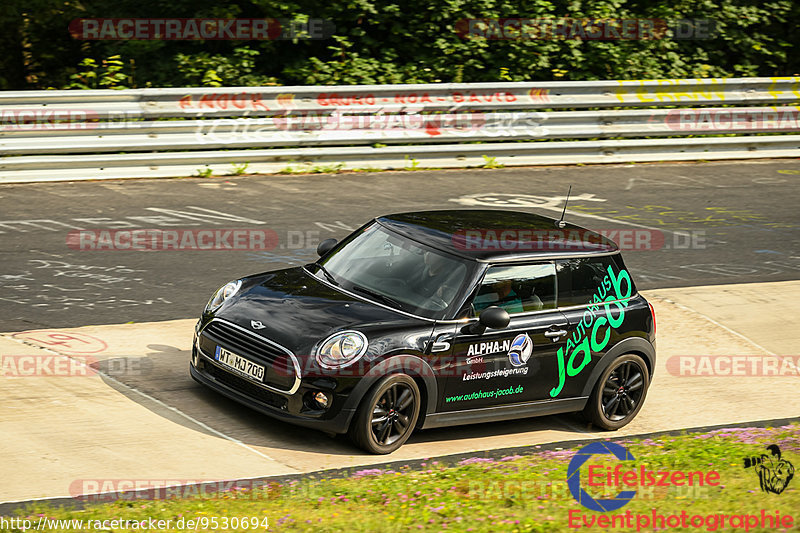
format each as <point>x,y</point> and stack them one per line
<point>387,415</point>
<point>619,393</point>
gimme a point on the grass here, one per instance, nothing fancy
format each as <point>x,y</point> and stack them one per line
<point>491,162</point>
<point>413,164</point>
<point>239,169</point>
<point>338,168</point>
<point>308,168</point>
<point>482,494</point>
<point>206,172</point>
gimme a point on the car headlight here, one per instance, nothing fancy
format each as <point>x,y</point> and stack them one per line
<point>222,294</point>
<point>341,349</point>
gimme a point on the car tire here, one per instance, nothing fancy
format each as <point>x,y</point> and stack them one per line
<point>619,393</point>
<point>387,415</point>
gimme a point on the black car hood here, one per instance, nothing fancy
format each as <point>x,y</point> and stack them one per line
<point>298,311</point>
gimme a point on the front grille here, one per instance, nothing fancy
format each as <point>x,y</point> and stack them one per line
<point>245,387</point>
<point>280,372</point>
<point>249,345</point>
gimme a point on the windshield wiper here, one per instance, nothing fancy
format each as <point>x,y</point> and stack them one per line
<point>328,275</point>
<point>382,297</point>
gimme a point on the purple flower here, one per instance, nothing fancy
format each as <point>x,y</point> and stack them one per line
<point>369,472</point>
<point>474,460</point>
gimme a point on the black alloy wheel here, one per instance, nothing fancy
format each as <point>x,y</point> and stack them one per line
<point>619,393</point>
<point>623,391</point>
<point>387,415</point>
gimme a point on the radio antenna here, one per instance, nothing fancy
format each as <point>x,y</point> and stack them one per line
<point>561,223</point>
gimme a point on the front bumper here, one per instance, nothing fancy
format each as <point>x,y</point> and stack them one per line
<point>295,407</point>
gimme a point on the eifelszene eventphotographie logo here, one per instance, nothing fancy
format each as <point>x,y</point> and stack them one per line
<point>618,477</point>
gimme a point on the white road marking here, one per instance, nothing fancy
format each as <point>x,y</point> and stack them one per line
<point>606,219</point>
<point>551,203</point>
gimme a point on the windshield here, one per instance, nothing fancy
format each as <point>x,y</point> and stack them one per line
<point>398,272</point>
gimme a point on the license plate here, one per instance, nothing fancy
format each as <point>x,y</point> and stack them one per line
<point>239,364</point>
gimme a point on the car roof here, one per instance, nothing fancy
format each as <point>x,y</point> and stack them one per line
<point>497,235</point>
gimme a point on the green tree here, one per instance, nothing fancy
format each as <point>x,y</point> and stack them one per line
<point>382,41</point>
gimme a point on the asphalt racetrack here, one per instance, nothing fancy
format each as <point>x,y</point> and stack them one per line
<point>710,223</point>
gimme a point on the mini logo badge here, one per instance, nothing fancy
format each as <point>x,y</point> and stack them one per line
<point>257,324</point>
<point>521,349</point>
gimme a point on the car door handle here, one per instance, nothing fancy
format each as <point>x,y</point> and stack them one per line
<point>554,334</point>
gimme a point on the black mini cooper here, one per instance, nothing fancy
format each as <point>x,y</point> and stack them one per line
<point>432,319</point>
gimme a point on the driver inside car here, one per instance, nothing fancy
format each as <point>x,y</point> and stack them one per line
<point>502,294</point>
<point>436,280</point>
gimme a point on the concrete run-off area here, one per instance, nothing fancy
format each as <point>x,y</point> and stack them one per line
<point>127,409</point>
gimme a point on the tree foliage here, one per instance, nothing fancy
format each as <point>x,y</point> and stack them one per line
<point>389,42</point>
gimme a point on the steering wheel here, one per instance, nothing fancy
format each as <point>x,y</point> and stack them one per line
<point>438,302</point>
<point>392,285</point>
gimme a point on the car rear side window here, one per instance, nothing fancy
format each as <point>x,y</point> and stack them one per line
<point>518,288</point>
<point>580,278</point>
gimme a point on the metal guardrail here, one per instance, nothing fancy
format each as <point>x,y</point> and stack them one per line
<point>47,135</point>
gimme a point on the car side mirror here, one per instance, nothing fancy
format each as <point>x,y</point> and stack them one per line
<point>490,318</point>
<point>326,246</point>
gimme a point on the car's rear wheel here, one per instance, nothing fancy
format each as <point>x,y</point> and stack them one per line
<point>387,415</point>
<point>619,393</point>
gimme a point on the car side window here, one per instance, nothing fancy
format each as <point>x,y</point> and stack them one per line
<point>518,288</point>
<point>580,278</point>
